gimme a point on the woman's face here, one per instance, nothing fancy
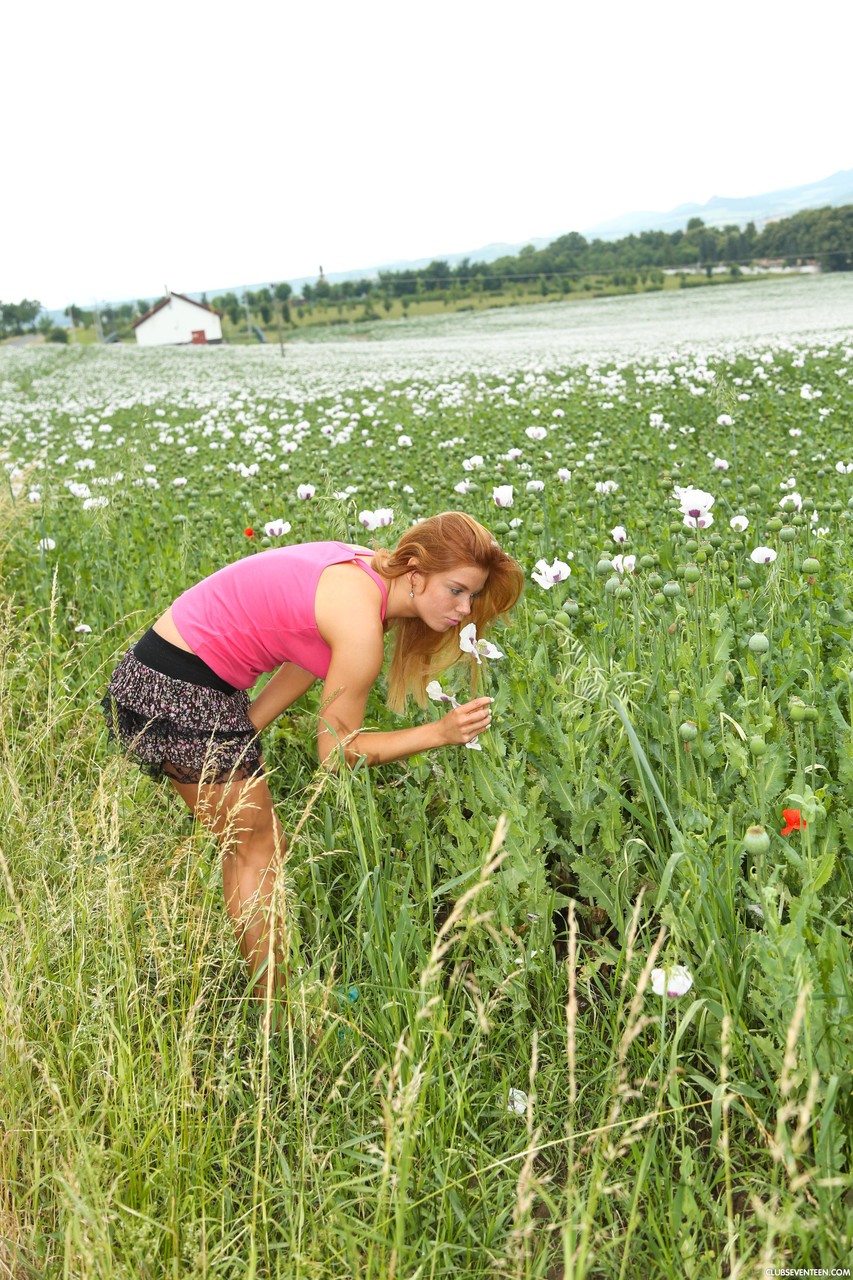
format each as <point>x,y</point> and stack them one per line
<point>444,600</point>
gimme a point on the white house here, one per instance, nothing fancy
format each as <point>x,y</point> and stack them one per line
<point>177,319</point>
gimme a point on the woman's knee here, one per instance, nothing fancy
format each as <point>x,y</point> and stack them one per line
<point>255,830</point>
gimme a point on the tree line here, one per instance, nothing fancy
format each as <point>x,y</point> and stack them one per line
<point>824,236</point>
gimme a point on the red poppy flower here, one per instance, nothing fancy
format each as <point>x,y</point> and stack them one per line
<point>794,821</point>
<point>250,533</point>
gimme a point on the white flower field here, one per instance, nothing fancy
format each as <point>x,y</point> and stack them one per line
<point>577,1003</point>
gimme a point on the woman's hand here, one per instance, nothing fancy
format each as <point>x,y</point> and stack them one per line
<point>465,722</point>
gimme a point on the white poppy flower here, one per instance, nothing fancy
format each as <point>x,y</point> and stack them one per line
<point>516,1102</point>
<point>548,575</point>
<point>502,495</point>
<point>378,519</point>
<point>739,523</point>
<point>673,982</point>
<point>469,643</point>
<point>437,694</point>
<point>305,491</point>
<point>762,555</point>
<point>277,528</point>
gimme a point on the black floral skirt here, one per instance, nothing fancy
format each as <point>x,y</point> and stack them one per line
<point>174,717</point>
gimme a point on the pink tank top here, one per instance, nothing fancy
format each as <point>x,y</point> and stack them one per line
<point>259,612</point>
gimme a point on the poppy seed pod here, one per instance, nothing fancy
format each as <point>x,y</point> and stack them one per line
<point>756,840</point>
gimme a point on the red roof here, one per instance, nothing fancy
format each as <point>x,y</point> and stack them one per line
<point>203,306</point>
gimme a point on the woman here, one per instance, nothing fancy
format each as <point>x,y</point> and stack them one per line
<point>178,703</point>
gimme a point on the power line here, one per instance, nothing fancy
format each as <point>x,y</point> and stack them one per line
<point>393,279</point>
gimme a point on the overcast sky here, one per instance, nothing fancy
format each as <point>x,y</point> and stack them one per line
<point>201,145</point>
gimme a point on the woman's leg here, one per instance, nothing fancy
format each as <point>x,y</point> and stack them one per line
<point>242,816</point>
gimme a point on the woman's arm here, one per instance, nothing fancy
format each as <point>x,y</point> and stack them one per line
<point>352,673</point>
<point>352,628</point>
<point>459,726</point>
<point>282,688</point>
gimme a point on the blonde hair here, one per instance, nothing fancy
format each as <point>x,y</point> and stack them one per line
<point>437,545</point>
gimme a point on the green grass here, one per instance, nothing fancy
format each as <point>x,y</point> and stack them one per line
<point>500,913</point>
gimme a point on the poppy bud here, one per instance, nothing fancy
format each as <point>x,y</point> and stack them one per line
<point>797,710</point>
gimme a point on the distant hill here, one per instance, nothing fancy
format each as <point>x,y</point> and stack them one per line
<point>721,211</point>
<point>488,253</point>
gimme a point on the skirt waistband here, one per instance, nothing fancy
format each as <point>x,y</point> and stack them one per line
<point>163,656</point>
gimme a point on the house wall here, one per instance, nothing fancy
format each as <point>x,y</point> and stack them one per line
<point>175,322</point>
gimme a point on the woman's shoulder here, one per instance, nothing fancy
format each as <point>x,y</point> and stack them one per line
<point>345,591</point>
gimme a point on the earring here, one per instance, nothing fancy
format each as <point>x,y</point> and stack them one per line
<point>411,595</point>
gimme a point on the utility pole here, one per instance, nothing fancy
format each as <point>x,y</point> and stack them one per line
<point>98,329</point>
<point>278,305</point>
